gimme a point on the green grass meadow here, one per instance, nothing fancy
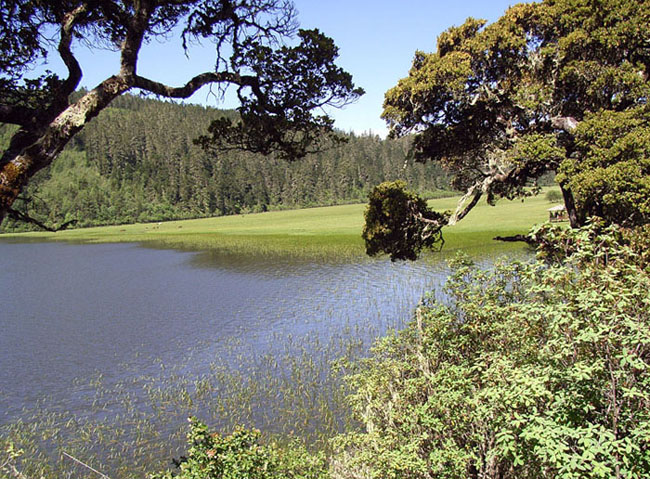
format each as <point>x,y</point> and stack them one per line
<point>326,232</point>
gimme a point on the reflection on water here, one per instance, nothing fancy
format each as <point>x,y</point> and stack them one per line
<point>71,311</point>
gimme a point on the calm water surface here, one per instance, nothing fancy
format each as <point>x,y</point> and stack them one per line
<point>70,312</point>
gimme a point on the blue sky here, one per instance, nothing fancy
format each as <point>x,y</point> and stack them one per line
<point>376,39</point>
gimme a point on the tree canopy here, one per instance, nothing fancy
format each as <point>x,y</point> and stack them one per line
<point>556,86</point>
<point>279,85</point>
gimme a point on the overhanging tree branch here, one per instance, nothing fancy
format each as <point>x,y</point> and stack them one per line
<point>70,20</point>
<point>19,216</point>
<point>400,223</point>
<point>17,115</point>
<point>282,85</point>
<point>473,195</point>
<point>195,84</point>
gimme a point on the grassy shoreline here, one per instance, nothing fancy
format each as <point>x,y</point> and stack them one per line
<point>323,232</point>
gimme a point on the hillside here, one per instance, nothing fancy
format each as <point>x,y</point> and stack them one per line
<point>137,162</point>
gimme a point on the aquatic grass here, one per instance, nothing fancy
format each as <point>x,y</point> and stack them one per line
<point>130,428</point>
<point>290,390</point>
<point>292,395</point>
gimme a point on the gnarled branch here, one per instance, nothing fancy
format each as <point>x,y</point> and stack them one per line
<point>17,115</point>
<point>195,83</point>
<point>473,194</point>
<point>70,20</point>
<point>19,216</point>
<point>516,238</point>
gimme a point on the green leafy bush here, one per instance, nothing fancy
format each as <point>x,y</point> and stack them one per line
<point>241,456</point>
<point>553,196</point>
<point>528,371</point>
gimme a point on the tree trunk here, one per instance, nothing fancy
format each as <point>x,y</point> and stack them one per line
<point>575,220</point>
<point>13,178</point>
<point>19,166</point>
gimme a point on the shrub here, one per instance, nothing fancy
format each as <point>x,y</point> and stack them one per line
<point>240,455</point>
<point>553,196</point>
<point>530,370</point>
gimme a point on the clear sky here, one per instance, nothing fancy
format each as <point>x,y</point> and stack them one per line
<point>376,40</point>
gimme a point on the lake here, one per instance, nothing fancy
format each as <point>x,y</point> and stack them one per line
<point>72,311</point>
<point>125,319</point>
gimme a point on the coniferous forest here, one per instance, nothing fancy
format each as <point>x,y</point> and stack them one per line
<point>137,162</point>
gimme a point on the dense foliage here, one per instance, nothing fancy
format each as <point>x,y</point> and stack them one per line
<point>240,455</point>
<point>137,161</point>
<point>525,370</point>
<point>528,370</point>
<point>283,76</point>
<point>399,222</point>
<point>554,86</point>
<point>610,173</point>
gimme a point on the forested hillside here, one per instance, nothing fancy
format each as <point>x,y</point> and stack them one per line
<point>137,162</point>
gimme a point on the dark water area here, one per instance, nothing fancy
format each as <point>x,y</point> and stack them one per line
<point>69,312</point>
